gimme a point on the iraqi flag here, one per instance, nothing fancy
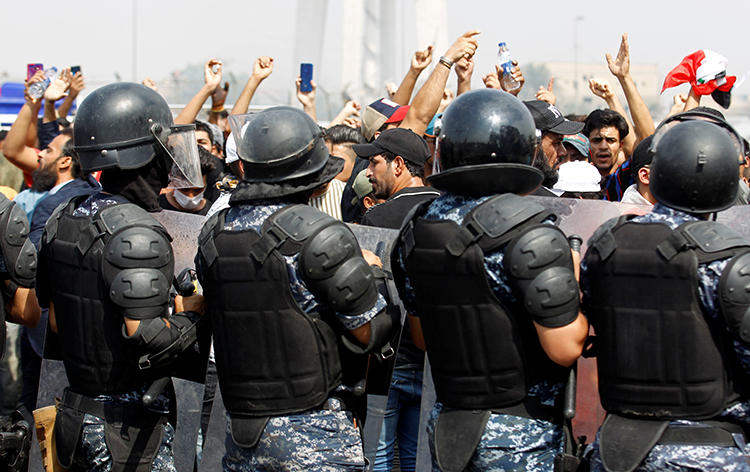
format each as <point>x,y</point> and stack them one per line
<point>706,72</point>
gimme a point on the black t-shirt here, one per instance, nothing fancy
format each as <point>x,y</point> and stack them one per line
<point>391,214</point>
<point>164,203</point>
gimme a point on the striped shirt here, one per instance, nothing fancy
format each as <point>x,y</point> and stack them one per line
<point>330,201</point>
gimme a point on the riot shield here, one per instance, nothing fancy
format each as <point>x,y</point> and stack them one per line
<point>184,229</point>
<point>379,241</point>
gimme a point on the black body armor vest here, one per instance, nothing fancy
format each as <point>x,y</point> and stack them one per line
<point>272,357</point>
<point>97,357</point>
<point>484,354</point>
<point>658,356</point>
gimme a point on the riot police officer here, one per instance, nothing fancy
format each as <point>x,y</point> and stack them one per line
<point>18,302</point>
<point>291,300</point>
<point>667,295</point>
<point>106,267</point>
<point>504,324</point>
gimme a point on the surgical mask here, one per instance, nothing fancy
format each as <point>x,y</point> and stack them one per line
<point>188,203</point>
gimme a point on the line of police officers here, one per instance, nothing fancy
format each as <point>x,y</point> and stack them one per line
<point>295,307</point>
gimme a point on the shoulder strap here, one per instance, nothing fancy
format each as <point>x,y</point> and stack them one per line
<point>406,234</point>
<point>495,222</point>
<point>603,240</point>
<point>210,229</point>
<point>710,240</point>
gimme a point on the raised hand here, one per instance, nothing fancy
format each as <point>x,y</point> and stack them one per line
<point>464,46</point>
<point>516,74</point>
<point>421,59</point>
<point>58,88</point>
<point>601,89</point>
<point>263,67</point>
<point>547,94</point>
<point>620,66</point>
<point>212,73</point>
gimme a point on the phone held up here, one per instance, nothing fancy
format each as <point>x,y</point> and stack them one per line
<point>306,74</point>
<point>32,68</point>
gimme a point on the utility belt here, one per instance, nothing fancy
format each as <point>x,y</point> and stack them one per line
<point>246,430</point>
<point>132,432</point>
<point>458,432</point>
<point>625,442</point>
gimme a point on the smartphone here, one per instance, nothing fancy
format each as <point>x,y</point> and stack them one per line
<point>75,69</point>
<point>31,70</point>
<point>306,73</point>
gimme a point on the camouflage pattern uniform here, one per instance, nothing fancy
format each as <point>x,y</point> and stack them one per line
<point>321,440</point>
<point>92,453</point>
<point>509,442</point>
<point>691,457</point>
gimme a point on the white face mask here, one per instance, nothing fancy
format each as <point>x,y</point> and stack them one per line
<point>186,202</point>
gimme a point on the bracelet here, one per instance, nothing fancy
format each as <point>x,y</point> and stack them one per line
<point>446,62</point>
<point>217,110</point>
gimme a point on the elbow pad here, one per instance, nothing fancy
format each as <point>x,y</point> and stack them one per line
<point>734,296</point>
<point>333,269</point>
<point>163,344</point>
<point>382,331</point>
<point>138,267</point>
<point>540,267</point>
<point>18,252</point>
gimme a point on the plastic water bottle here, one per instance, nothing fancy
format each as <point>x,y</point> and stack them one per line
<point>36,90</point>
<point>505,62</point>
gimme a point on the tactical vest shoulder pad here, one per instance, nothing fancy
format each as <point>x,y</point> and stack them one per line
<point>603,240</point>
<point>540,265</point>
<point>333,268</point>
<point>18,252</point>
<point>138,265</point>
<point>117,217</point>
<point>734,296</point>
<point>496,221</point>
<point>712,241</point>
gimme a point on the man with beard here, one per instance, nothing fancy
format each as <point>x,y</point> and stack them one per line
<point>605,129</point>
<point>395,171</point>
<point>553,127</point>
<point>105,269</point>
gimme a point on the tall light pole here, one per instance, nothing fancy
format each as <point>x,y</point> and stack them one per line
<point>134,66</point>
<point>576,20</point>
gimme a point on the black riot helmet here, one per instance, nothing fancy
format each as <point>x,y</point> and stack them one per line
<point>486,145</point>
<point>696,161</point>
<point>282,152</point>
<point>116,126</point>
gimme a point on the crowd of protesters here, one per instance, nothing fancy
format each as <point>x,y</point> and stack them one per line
<point>602,155</point>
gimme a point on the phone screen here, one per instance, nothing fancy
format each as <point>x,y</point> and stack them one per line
<point>75,69</point>
<point>32,68</point>
<point>305,73</point>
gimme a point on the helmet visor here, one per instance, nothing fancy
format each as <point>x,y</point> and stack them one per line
<point>180,144</point>
<point>238,124</point>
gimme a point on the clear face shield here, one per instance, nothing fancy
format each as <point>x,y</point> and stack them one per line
<point>180,145</point>
<point>238,124</point>
<point>672,121</point>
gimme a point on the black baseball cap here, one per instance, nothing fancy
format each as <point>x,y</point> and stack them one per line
<point>400,141</point>
<point>547,117</point>
<point>642,155</point>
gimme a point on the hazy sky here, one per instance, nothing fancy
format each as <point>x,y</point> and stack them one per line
<point>171,34</point>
